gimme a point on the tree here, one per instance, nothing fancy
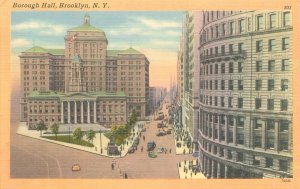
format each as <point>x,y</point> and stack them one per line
<point>40,126</point>
<point>90,135</point>
<point>78,134</point>
<point>120,133</point>
<point>54,128</point>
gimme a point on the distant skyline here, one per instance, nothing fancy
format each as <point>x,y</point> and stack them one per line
<point>156,34</point>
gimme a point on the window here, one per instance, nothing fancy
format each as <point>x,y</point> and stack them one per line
<point>284,65</point>
<point>269,162</point>
<point>230,67</point>
<point>211,69</point>
<point>257,141</point>
<point>223,68</point>
<point>257,103</point>
<point>259,22</point>
<point>241,47</point>
<point>270,104</point>
<point>283,104</point>
<point>210,100</point>
<point>284,84</point>
<point>230,48</point>
<point>240,67</point>
<point>272,21</point>
<point>223,49</point>
<point>217,31</point>
<point>229,102</point>
<point>242,25</point>
<point>283,165</point>
<point>270,142</point>
<point>216,50</point>
<point>271,65</point>
<point>256,160</point>
<point>240,121</point>
<point>240,138</point>
<point>283,145</point>
<point>222,84</point>
<point>231,28</point>
<point>222,102</point>
<point>223,29</point>
<point>285,43</point>
<point>258,84</point>
<point>259,46</point>
<point>270,124</point>
<point>216,84</point>
<point>270,84</point>
<point>230,84</point>
<point>258,123</point>
<point>210,84</point>
<point>240,157</point>
<point>286,19</point>
<point>271,44</point>
<point>240,84</point>
<point>216,101</point>
<point>216,68</point>
<point>240,102</point>
<point>229,155</point>
<point>258,66</point>
<point>284,125</point>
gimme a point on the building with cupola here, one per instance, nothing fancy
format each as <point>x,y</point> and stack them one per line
<point>85,83</point>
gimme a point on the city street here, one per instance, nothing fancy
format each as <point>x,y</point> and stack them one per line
<point>31,158</point>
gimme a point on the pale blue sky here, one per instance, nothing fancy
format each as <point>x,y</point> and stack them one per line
<point>153,33</point>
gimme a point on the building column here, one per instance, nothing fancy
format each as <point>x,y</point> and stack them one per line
<point>226,171</point>
<point>218,170</point>
<point>212,126</point>
<point>219,128</point>
<point>234,130</point>
<point>81,112</point>
<point>88,111</point>
<point>75,112</point>
<point>209,167</point>
<point>62,112</point>
<point>69,111</point>
<point>276,135</point>
<point>95,114</point>
<point>213,169</point>
<point>263,135</point>
<point>226,130</point>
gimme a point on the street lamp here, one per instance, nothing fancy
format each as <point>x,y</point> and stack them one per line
<point>100,142</point>
<point>69,134</point>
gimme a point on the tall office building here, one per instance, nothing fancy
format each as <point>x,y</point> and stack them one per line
<point>85,82</point>
<point>245,106</point>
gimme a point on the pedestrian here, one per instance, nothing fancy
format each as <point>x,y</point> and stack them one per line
<point>170,150</point>
<point>112,166</point>
<point>125,176</point>
<point>183,151</point>
<point>144,137</point>
<point>142,149</point>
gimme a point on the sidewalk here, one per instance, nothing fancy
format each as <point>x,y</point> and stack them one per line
<point>22,130</point>
<point>183,149</point>
<point>185,172</point>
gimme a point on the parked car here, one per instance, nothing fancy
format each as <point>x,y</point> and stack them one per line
<point>161,133</point>
<point>159,125</point>
<point>151,145</point>
<point>152,154</point>
<point>161,150</point>
<point>196,154</point>
<point>76,167</point>
<point>131,150</point>
<point>169,131</point>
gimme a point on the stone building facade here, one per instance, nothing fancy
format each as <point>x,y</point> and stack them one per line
<point>245,102</point>
<point>115,82</point>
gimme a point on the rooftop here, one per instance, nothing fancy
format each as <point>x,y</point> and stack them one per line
<point>37,49</point>
<point>123,52</point>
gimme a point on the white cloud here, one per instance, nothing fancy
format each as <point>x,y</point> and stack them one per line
<point>20,42</point>
<point>158,24</point>
<point>41,27</point>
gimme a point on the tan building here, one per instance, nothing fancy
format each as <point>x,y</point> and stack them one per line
<point>245,106</point>
<point>88,69</point>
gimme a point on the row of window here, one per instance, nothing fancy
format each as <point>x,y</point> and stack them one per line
<point>238,26</point>
<point>214,85</point>
<point>220,101</point>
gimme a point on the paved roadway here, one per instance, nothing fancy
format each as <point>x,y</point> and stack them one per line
<point>31,158</point>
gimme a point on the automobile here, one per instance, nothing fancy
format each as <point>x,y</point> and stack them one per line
<point>148,122</point>
<point>143,130</point>
<point>159,125</point>
<point>151,145</point>
<point>152,154</point>
<point>161,133</point>
<point>76,167</point>
<point>195,168</point>
<point>196,154</point>
<point>161,150</point>
<point>131,150</point>
<point>169,131</point>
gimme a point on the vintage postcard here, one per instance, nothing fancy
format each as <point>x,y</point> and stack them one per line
<point>149,94</point>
